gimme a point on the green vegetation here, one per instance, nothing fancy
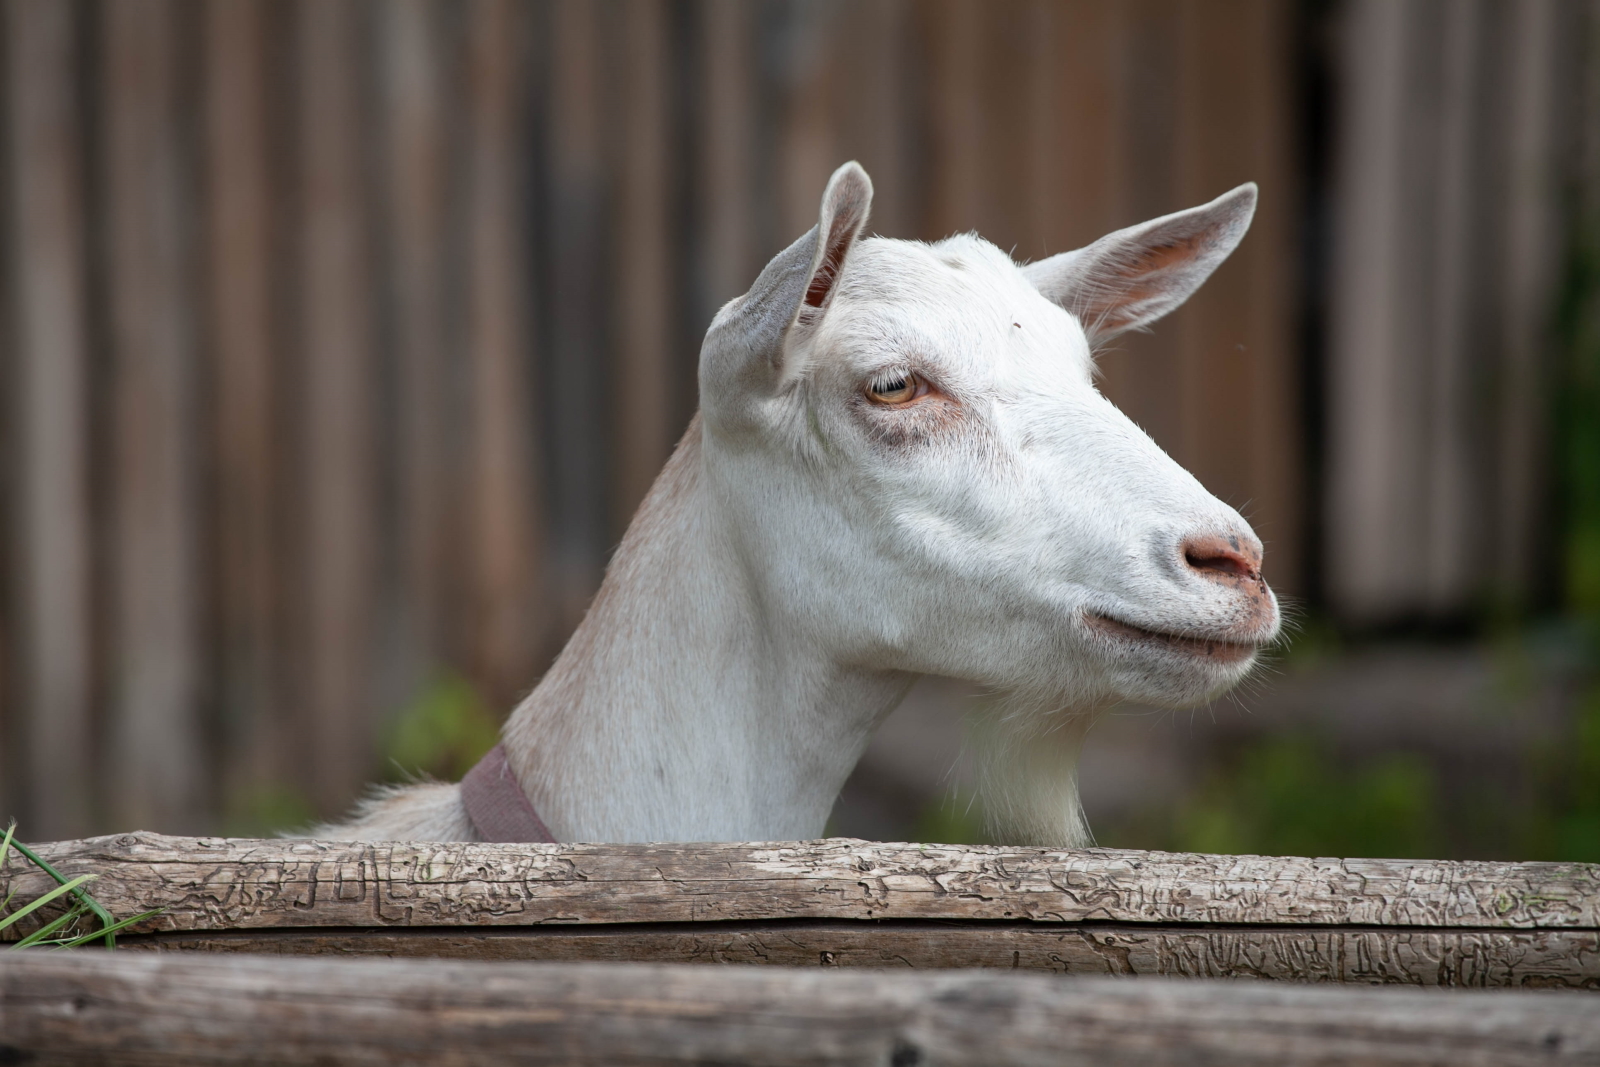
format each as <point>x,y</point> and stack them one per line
<point>1564,824</point>
<point>63,931</point>
<point>956,819</point>
<point>442,733</point>
<point>1285,796</point>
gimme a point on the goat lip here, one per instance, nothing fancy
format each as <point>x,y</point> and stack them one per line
<point>1217,650</point>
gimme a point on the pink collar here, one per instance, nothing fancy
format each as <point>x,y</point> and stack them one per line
<point>496,805</point>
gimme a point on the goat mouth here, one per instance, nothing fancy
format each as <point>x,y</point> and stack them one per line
<point>1210,648</point>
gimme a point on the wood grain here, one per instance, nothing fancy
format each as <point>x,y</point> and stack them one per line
<point>1537,959</point>
<point>220,883</point>
<point>854,903</point>
<point>122,1008</point>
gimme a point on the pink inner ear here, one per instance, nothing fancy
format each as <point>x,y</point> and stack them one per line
<point>1172,254</point>
<point>1126,292</point>
<point>822,282</point>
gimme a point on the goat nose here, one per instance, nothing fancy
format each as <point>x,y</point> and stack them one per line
<point>1223,556</point>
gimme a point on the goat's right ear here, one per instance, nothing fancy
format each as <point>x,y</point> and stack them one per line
<point>744,348</point>
<point>1128,279</point>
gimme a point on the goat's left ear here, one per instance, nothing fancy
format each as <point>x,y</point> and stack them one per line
<point>743,350</point>
<point>1131,278</point>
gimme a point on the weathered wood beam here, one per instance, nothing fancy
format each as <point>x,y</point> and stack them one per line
<point>128,1008</point>
<point>855,903</point>
<point>241,883</point>
<point>1457,958</point>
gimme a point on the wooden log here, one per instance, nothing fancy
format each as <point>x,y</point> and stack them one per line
<point>121,1008</point>
<point>853,903</point>
<point>220,883</point>
<point>1455,958</point>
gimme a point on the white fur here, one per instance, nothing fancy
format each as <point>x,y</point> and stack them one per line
<point>807,553</point>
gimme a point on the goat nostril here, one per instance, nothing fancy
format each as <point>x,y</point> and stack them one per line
<point>1219,556</point>
<point>1220,564</point>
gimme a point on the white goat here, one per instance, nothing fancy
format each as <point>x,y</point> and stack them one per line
<point>901,466</point>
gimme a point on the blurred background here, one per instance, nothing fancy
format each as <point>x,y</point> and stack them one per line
<point>340,338</point>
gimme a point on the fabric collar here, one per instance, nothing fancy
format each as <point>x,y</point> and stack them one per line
<point>496,805</point>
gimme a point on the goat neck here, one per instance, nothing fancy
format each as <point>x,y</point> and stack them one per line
<point>684,709</point>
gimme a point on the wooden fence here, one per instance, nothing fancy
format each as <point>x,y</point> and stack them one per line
<point>120,1009</point>
<point>341,337</point>
<point>1465,183</point>
<point>587,954</point>
<point>851,903</point>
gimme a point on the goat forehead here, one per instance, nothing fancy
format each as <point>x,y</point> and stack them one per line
<point>969,270</point>
<point>962,302</point>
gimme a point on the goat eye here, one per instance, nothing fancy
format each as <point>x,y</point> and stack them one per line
<point>897,390</point>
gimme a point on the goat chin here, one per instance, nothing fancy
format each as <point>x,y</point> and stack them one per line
<point>426,811</point>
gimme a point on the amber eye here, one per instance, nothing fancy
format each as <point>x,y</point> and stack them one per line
<point>900,389</point>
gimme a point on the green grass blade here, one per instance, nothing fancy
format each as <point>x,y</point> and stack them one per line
<point>117,927</point>
<point>76,912</point>
<point>59,890</point>
<point>106,921</point>
<point>5,850</point>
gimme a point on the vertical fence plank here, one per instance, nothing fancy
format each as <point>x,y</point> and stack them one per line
<point>1008,53</point>
<point>1214,153</point>
<point>1367,502</point>
<point>838,79</point>
<point>411,44</point>
<point>724,206</point>
<point>155,751</point>
<point>575,364</point>
<point>1095,97</point>
<point>1275,496</point>
<point>49,413</point>
<point>337,376</point>
<point>1238,421</point>
<point>874,112</point>
<point>1075,190</point>
<point>950,30</point>
<point>1443,291</point>
<point>1542,80</point>
<point>507,537</point>
<point>1140,369</point>
<point>643,288</point>
<point>1454,313</point>
<point>802,80</point>
<point>241,335</point>
<point>842,78</point>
